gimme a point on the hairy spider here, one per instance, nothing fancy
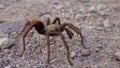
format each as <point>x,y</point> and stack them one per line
<point>50,29</point>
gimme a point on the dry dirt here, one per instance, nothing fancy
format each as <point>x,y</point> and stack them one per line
<point>98,19</point>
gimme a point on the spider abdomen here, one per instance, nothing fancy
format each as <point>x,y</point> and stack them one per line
<point>40,28</point>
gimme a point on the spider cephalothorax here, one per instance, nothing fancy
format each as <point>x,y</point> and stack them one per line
<point>50,29</point>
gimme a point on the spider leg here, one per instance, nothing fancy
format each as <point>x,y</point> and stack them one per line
<point>48,21</point>
<point>55,20</point>
<point>67,48</point>
<point>26,29</point>
<point>77,30</point>
<point>48,47</point>
<point>69,33</point>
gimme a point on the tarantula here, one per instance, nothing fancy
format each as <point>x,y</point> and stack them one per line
<point>50,29</point>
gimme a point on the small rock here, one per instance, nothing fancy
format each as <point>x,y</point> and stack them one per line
<point>97,9</point>
<point>17,65</point>
<point>85,52</point>
<point>3,35</point>
<point>102,13</point>
<point>94,66</point>
<point>44,15</point>
<point>6,51</point>
<point>97,49</point>
<point>117,55</point>
<point>57,6</point>
<point>1,6</point>
<point>107,23</point>
<point>80,15</point>
<point>92,9</point>
<point>85,1</point>
<point>6,42</point>
<point>100,29</point>
<point>14,34</point>
<point>108,29</point>
<point>1,61</point>
<point>27,0</point>
<point>9,66</point>
<point>117,9</point>
<point>82,10</point>
<point>118,25</point>
<point>101,7</point>
<point>73,54</point>
<point>71,11</point>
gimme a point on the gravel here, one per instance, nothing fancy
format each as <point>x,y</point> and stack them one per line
<point>117,55</point>
<point>108,23</point>
<point>73,54</point>
<point>6,42</point>
<point>85,52</point>
<point>99,22</point>
<point>9,66</point>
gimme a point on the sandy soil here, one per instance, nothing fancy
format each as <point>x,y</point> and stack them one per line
<point>98,19</point>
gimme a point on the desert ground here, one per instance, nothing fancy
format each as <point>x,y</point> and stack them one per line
<point>99,21</point>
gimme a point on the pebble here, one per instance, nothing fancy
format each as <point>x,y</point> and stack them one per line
<point>44,15</point>
<point>118,25</point>
<point>85,52</point>
<point>92,9</point>
<point>57,6</point>
<point>94,66</point>
<point>6,42</point>
<point>80,15</point>
<point>107,23</point>
<point>9,66</point>
<point>117,55</point>
<point>102,13</point>
<point>85,1</point>
<point>96,8</point>
<point>15,34</point>
<point>117,9</point>
<point>73,54</point>
<point>100,29</point>
<point>97,49</point>
<point>3,34</point>
<point>27,0</point>
<point>6,51</point>
<point>101,7</point>
<point>17,65</point>
<point>1,6</point>
<point>1,61</point>
<point>71,11</point>
<point>82,10</point>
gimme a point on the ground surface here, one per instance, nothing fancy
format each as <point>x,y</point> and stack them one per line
<point>99,20</point>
